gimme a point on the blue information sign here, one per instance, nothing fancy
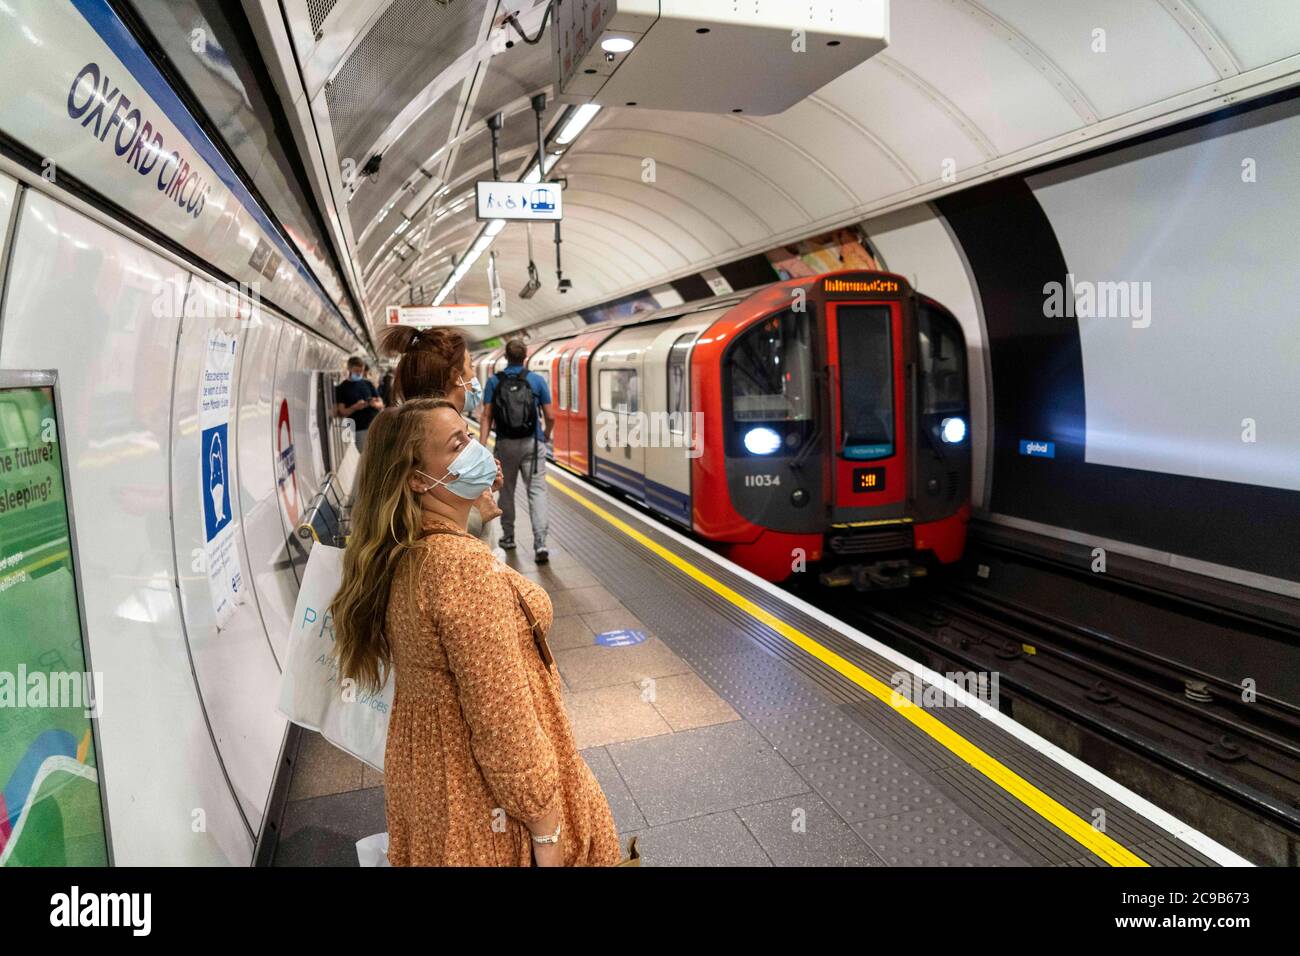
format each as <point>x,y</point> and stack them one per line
<point>620,638</point>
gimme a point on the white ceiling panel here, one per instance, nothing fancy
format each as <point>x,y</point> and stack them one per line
<point>922,129</point>
<point>978,84</point>
<point>1141,39</point>
<point>1256,33</point>
<point>986,77</point>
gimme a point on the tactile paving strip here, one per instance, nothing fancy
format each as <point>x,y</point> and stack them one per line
<point>767,679</point>
<point>935,836</point>
<point>875,784</point>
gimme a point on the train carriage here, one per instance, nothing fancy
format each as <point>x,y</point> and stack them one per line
<point>818,424</point>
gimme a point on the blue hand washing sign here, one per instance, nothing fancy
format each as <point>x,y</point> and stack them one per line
<point>1038,449</point>
<point>620,638</point>
<point>216,484</point>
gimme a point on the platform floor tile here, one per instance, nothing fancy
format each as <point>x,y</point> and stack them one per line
<point>716,839</point>
<point>803,830</point>
<point>323,831</point>
<point>694,772</point>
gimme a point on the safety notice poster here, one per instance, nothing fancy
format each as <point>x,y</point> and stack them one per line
<point>51,813</point>
<point>216,464</point>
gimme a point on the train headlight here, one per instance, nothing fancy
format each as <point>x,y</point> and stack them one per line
<point>762,441</point>
<point>952,430</point>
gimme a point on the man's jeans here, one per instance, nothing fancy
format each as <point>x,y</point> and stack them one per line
<point>526,456</point>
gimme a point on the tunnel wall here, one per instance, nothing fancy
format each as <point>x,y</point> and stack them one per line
<point>189,732</point>
<point>1171,424</point>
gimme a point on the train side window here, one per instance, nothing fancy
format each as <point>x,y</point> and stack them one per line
<point>771,371</point>
<point>943,362</point>
<point>574,397</point>
<point>618,390</point>
<point>563,390</point>
<point>678,397</point>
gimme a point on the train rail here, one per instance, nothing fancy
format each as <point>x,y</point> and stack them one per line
<point>1243,753</point>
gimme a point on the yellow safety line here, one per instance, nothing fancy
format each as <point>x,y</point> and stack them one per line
<point>1064,819</point>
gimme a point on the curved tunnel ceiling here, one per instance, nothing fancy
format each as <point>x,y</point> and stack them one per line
<point>965,87</point>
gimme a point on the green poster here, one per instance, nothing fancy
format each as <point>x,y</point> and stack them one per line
<point>51,813</point>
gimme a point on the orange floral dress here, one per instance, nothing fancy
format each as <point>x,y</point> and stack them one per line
<point>478,741</point>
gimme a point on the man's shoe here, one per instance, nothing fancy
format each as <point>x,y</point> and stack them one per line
<point>541,556</point>
<point>506,544</point>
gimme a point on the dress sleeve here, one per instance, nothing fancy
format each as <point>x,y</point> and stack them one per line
<point>479,619</point>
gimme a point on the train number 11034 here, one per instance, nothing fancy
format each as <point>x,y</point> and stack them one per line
<point>761,481</point>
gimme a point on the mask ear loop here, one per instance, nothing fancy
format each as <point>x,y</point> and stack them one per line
<point>435,481</point>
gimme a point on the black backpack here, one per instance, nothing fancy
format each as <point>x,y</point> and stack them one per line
<point>514,407</point>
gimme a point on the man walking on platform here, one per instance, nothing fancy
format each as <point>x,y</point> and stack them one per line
<point>515,403</point>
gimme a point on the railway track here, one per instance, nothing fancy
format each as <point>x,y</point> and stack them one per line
<point>1211,731</point>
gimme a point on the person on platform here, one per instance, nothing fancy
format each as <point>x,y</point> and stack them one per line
<point>357,398</point>
<point>480,767</point>
<point>434,363</point>
<point>516,402</point>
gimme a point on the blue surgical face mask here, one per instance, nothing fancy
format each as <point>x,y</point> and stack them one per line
<point>355,376</point>
<point>473,394</point>
<point>475,470</point>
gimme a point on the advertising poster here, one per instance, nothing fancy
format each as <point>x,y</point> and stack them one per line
<point>829,252</point>
<point>216,464</point>
<point>51,813</point>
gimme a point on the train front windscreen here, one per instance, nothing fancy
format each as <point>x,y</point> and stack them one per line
<point>866,382</point>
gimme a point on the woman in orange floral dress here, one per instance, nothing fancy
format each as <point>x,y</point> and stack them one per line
<point>481,768</point>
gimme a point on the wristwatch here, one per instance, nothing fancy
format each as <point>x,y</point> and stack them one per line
<point>548,840</point>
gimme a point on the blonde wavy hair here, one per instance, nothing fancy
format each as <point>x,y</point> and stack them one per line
<point>385,525</point>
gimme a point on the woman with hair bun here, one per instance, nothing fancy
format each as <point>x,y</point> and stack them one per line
<point>434,363</point>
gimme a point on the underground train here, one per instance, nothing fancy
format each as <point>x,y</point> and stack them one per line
<point>816,424</point>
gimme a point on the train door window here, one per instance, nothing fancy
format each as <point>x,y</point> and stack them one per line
<point>563,390</point>
<point>678,397</point>
<point>943,362</point>
<point>866,375</point>
<point>771,371</point>
<point>618,390</point>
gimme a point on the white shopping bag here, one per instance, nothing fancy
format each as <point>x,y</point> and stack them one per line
<point>373,850</point>
<point>310,691</point>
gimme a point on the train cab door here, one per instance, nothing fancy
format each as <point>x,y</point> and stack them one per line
<point>869,433</point>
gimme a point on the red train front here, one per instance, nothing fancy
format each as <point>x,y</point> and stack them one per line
<point>836,420</point>
<point>825,421</point>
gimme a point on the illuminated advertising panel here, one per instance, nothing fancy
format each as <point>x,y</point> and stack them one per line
<point>51,804</point>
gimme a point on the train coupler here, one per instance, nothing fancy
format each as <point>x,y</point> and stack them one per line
<point>880,576</point>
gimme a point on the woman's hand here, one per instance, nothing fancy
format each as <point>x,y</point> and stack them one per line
<point>550,854</point>
<point>487,507</point>
<point>496,485</point>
